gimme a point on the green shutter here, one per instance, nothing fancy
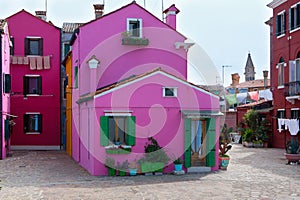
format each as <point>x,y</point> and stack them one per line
<point>211,142</point>
<point>6,129</point>
<point>130,130</point>
<point>76,77</point>
<point>104,131</point>
<point>187,143</point>
<point>7,83</point>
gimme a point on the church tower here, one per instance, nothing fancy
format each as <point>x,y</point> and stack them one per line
<point>249,69</point>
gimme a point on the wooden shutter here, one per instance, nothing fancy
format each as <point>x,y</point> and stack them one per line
<point>104,131</point>
<point>76,77</point>
<point>7,83</point>
<point>25,85</point>
<point>6,129</point>
<point>41,41</point>
<point>130,130</point>
<point>211,142</point>
<point>39,84</point>
<point>27,48</point>
<point>187,142</point>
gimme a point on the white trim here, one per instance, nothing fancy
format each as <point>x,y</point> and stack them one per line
<point>118,111</point>
<point>280,36</point>
<point>281,109</point>
<point>32,113</point>
<point>295,108</point>
<point>295,5</point>
<point>140,28</point>
<point>281,12</point>
<point>21,147</point>
<point>294,30</point>
<point>34,37</point>
<point>33,133</point>
<point>32,75</point>
<point>280,86</point>
<point>171,12</point>
<point>118,114</point>
<point>152,74</point>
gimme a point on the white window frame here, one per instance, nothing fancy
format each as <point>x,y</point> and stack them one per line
<point>295,28</point>
<point>33,113</point>
<point>283,22</point>
<point>34,76</point>
<point>140,28</point>
<point>174,91</point>
<point>280,66</point>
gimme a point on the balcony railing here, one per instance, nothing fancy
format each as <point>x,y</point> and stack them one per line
<point>292,88</point>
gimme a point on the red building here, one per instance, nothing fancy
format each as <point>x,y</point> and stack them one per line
<point>35,77</point>
<point>285,65</point>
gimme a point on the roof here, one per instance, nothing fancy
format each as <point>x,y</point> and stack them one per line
<point>70,27</point>
<point>251,84</point>
<point>261,106</point>
<point>249,62</point>
<point>131,79</point>
<point>73,38</point>
<point>49,23</point>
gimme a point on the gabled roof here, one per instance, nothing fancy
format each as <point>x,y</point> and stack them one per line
<point>118,85</point>
<point>73,38</point>
<point>251,84</point>
<point>49,23</point>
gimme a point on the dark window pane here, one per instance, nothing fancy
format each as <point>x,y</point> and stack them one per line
<point>169,92</point>
<point>32,123</point>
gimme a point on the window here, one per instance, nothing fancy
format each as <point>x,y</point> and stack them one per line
<point>170,92</point>
<point>280,24</point>
<point>12,46</point>
<point>32,123</point>
<point>134,27</point>
<point>117,130</point>
<point>294,17</point>
<point>32,85</point>
<point>7,83</point>
<point>280,67</point>
<point>34,46</point>
<point>280,115</point>
<point>294,67</point>
<point>66,48</point>
<point>76,77</point>
<point>295,113</point>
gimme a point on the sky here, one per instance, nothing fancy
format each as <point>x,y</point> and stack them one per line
<point>224,32</point>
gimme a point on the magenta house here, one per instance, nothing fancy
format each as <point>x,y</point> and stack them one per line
<point>6,117</point>
<point>129,85</point>
<point>35,72</point>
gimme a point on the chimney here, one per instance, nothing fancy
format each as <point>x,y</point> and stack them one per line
<point>266,73</point>
<point>235,79</point>
<point>171,13</point>
<point>98,10</point>
<point>41,15</point>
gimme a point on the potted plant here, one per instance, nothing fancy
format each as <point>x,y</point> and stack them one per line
<point>178,164</point>
<point>224,147</point>
<point>293,151</point>
<point>122,168</point>
<point>155,157</point>
<point>110,164</point>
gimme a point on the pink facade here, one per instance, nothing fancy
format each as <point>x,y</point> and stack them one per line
<point>35,69</point>
<point>133,81</point>
<point>5,97</point>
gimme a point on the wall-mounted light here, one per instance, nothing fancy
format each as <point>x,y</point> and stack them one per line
<point>93,62</point>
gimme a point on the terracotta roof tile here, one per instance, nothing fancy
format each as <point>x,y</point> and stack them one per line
<point>252,84</point>
<point>70,27</point>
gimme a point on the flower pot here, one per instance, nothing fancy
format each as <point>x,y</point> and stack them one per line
<point>122,173</point>
<point>292,158</point>
<point>223,162</point>
<point>132,172</point>
<point>111,171</point>
<point>178,167</point>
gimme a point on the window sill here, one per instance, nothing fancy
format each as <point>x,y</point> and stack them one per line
<point>280,87</point>
<point>280,36</point>
<point>294,30</point>
<point>118,149</point>
<point>32,133</point>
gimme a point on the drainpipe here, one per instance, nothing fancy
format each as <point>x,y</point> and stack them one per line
<point>1,116</point>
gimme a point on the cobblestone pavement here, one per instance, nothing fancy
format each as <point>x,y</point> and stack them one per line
<point>252,174</point>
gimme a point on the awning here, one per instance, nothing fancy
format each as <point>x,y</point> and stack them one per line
<point>201,113</point>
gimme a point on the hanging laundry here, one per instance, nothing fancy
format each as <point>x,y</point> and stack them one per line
<point>293,126</point>
<point>231,99</point>
<point>241,97</point>
<point>26,61</point>
<point>32,61</point>
<point>46,62</point>
<point>253,95</point>
<point>39,63</point>
<point>20,60</point>
<point>14,60</point>
<point>265,94</point>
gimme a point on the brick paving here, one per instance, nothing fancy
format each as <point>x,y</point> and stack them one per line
<point>252,174</point>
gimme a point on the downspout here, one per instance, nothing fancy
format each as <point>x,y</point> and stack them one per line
<point>1,116</point>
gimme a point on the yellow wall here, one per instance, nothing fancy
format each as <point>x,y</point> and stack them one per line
<point>69,105</point>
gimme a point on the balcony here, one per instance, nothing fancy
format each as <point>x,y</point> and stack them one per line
<point>292,91</point>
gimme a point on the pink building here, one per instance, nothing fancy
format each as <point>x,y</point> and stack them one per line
<point>35,92</point>
<point>6,117</point>
<point>129,84</point>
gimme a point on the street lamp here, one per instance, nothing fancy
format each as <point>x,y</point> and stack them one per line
<point>224,71</point>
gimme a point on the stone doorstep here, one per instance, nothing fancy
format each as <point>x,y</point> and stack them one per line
<point>198,170</point>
